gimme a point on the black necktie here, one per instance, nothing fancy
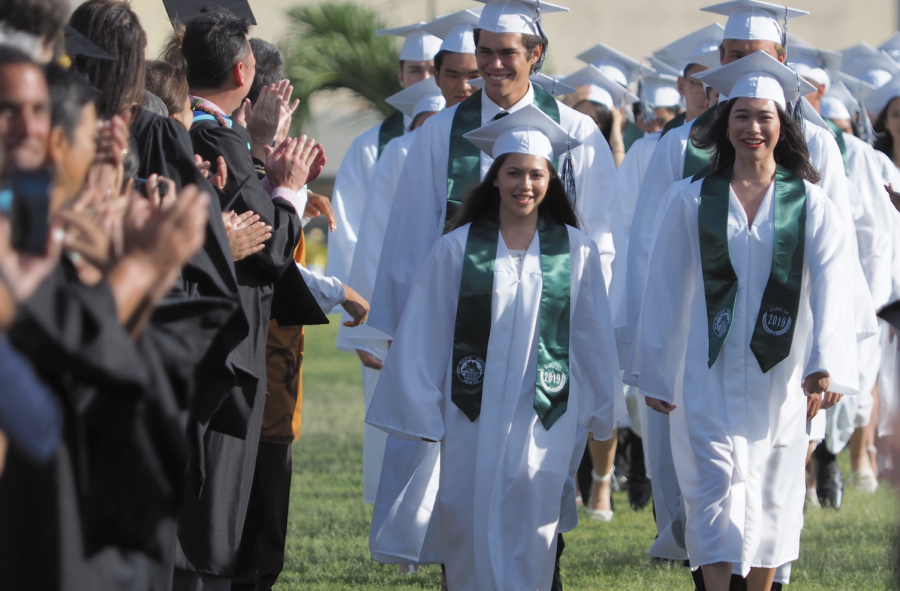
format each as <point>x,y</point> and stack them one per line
<point>500,115</point>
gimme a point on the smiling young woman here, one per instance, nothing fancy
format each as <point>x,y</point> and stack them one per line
<point>744,313</point>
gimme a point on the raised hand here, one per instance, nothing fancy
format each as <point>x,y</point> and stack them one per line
<point>317,205</point>
<point>246,234</point>
<point>289,164</point>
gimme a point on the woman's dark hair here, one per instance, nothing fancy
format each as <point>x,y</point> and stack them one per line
<point>602,116</point>
<point>214,43</point>
<point>70,92</point>
<point>484,200</point>
<point>790,151</point>
<point>171,49</point>
<point>884,141</point>
<point>169,84</point>
<point>114,27</point>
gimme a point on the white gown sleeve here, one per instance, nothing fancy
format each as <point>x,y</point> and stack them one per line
<point>348,199</point>
<point>593,359</point>
<point>415,224</point>
<point>328,291</point>
<point>665,318</point>
<point>830,295</point>
<point>408,401</point>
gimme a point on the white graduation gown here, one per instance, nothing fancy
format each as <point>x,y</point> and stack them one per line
<point>351,189</point>
<point>667,166</point>
<point>501,485</point>
<point>740,434</point>
<point>417,216</point>
<point>630,174</point>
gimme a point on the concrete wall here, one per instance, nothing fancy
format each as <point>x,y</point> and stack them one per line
<point>636,27</point>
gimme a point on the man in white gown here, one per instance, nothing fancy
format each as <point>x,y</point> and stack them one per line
<point>354,177</point>
<point>419,211</point>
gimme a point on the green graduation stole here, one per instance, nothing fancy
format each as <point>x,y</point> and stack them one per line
<point>842,144</point>
<point>391,128</point>
<point>464,161</point>
<point>777,317</point>
<point>695,159</point>
<point>631,134</point>
<point>473,319</point>
<point>677,121</point>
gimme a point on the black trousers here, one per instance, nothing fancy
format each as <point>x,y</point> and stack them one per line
<point>261,555</point>
<point>738,583</point>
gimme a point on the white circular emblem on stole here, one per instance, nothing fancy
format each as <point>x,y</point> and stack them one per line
<point>470,370</point>
<point>722,322</point>
<point>776,321</point>
<point>553,378</point>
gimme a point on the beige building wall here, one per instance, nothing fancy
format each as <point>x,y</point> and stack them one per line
<point>635,27</point>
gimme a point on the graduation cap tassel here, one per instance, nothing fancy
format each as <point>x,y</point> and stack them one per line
<point>864,124</point>
<point>784,31</point>
<point>540,29</point>
<point>647,112</point>
<point>796,110</point>
<point>568,176</point>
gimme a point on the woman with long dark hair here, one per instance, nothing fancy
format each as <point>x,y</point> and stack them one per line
<point>746,331</point>
<point>505,354</point>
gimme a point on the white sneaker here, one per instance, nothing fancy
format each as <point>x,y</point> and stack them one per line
<point>812,499</point>
<point>864,480</point>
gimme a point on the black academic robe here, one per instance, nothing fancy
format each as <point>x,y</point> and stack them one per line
<point>101,514</point>
<point>215,501</point>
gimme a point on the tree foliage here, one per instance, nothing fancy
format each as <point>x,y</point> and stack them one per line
<point>329,46</point>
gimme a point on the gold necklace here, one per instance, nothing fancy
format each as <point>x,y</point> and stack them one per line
<point>507,237</point>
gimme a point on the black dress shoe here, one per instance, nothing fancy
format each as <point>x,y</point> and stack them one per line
<point>830,481</point>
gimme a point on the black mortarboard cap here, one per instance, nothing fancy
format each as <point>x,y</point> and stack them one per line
<point>78,44</point>
<point>185,11</point>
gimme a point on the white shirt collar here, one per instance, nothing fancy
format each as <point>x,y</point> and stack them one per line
<point>490,109</point>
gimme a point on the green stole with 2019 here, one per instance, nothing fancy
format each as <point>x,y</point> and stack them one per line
<point>473,320</point>
<point>777,318</point>
<point>464,159</point>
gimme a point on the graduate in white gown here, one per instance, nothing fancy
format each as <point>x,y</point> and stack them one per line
<point>745,311</point>
<point>351,186</point>
<point>418,102</point>
<point>504,353</point>
<point>418,217</point>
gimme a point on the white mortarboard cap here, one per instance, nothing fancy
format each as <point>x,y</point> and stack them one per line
<point>663,67</point>
<point>603,89</point>
<point>515,16</point>
<point>430,103</point>
<point>869,65</point>
<point>615,64</point>
<point>758,75</point>
<point>700,47</point>
<point>892,46</point>
<point>879,99</point>
<point>406,100</point>
<point>526,131</point>
<point>818,65</point>
<point>661,90</point>
<point>418,46</point>
<point>832,107</point>
<point>810,115</point>
<point>456,30</point>
<point>858,89</point>
<point>752,20</point>
<point>550,84</point>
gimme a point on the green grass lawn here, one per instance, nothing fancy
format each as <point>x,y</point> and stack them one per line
<point>327,547</point>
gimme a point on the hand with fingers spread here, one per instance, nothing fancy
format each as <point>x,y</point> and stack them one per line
<point>356,306</point>
<point>202,165</point>
<point>88,238</point>
<point>317,205</point>
<point>315,169</point>
<point>246,234</point>
<point>289,164</point>
<point>267,115</point>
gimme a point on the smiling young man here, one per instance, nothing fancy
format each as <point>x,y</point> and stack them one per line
<point>440,168</point>
<point>351,186</point>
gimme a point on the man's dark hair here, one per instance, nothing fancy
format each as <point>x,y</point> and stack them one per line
<point>602,116</point>
<point>11,56</point>
<point>169,84</point>
<point>70,92</point>
<point>213,43</point>
<point>268,67</point>
<point>41,18</point>
<point>530,42</point>
<point>114,27</point>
